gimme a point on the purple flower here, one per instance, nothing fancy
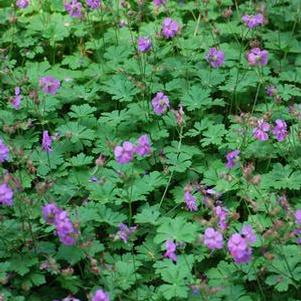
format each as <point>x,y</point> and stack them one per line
<point>239,248</point>
<point>253,21</point>
<point>298,217</point>
<point>257,57</point>
<point>248,233</point>
<point>170,28</point>
<point>49,212</point>
<point>94,4</point>
<point>46,142</point>
<point>124,154</point>
<point>49,84</point>
<point>231,158</point>
<point>6,195</point>
<point>222,215</point>
<point>65,229</point>
<point>190,201</point>
<point>4,152</point>
<point>16,101</point>
<point>260,132</point>
<point>215,57</point>
<point>271,90</point>
<point>100,295</point>
<point>159,2</point>
<point>144,44</point>
<point>170,250</point>
<point>280,130</point>
<point>74,8</point>
<point>22,3</point>
<point>143,147</point>
<point>160,103</point>
<point>213,239</point>
<point>125,231</point>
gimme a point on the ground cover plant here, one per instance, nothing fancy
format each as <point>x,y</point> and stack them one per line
<point>150,150</point>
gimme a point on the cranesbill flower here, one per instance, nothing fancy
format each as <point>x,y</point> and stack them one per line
<point>46,142</point>
<point>298,216</point>
<point>239,248</point>
<point>143,147</point>
<point>49,212</point>
<point>231,158</point>
<point>260,132</point>
<point>144,44</point>
<point>215,57</point>
<point>124,154</point>
<point>16,101</point>
<point>213,239</point>
<point>22,3</point>
<point>125,231</point>
<point>74,8</point>
<point>4,152</point>
<point>271,90</point>
<point>253,21</point>
<point>170,250</point>
<point>248,233</point>
<point>160,103</point>
<point>280,130</point>
<point>65,229</point>
<point>159,2</point>
<point>257,57</point>
<point>100,295</point>
<point>94,4</point>
<point>170,28</point>
<point>49,84</point>
<point>6,195</point>
<point>190,201</point>
<point>222,215</point>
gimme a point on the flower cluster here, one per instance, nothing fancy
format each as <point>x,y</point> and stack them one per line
<point>253,21</point>
<point>94,4</point>
<point>74,8</point>
<point>215,57</point>
<point>144,44</point>
<point>171,248</point>
<point>170,28</point>
<point>257,57</point>
<point>279,131</point>
<point>190,201</point>
<point>100,295</point>
<point>16,101</point>
<point>46,142</point>
<point>22,3</point>
<point>231,158</point>
<point>159,2</point>
<point>160,103</point>
<point>49,84</point>
<point>6,195</point>
<point>222,215</point>
<point>65,229</point>
<point>4,152</point>
<point>239,244</point>
<point>125,153</point>
<point>213,239</point>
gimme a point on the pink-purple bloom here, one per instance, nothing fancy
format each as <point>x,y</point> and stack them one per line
<point>248,233</point>
<point>49,84</point>
<point>143,147</point>
<point>261,131</point>
<point>257,57</point>
<point>125,231</point>
<point>190,201</point>
<point>74,8</point>
<point>213,239</point>
<point>271,90</point>
<point>100,295</point>
<point>280,130</point>
<point>231,158</point>
<point>46,142</point>
<point>171,248</point>
<point>124,154</point>
<point>215,57</point>
<point>144,44</point>
<point>6,195</point>
<point>94,4</point>
<point>49,212</point>
<point>239,248</point>
<point>222,215</point>
<point>170,28</point>
<point>16,101</point>
<point>4,152</point>
<point>159,2</point>
<point>22,3</point>
<point>253,21</point>
<point>160,103</point>
<point>298,217</point>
